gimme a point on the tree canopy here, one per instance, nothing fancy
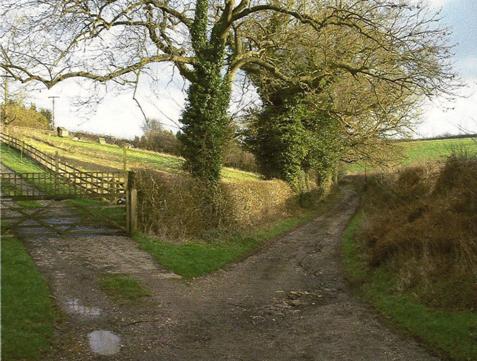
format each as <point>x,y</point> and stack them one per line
<point>366,87</point>
<point>393,47</point>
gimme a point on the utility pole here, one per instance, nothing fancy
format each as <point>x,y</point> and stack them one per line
<point>5,98</point>
<point>53,118</point>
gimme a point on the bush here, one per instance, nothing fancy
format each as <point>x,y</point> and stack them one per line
<point>163,141</point>
<point>422,223</point>
<point>18,115</point>
<point>236,157</point>
<point>170,206</point>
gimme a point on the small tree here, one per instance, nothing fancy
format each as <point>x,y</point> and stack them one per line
<point>17,114</point>
<point>157,138</point>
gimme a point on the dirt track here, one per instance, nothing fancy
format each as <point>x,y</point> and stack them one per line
<point>287,302</point>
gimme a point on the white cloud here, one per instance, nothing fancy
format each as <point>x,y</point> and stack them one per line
<point>438,120</point>
<point>116,113</point>
<point>467,66</point>
<point>437,3</point>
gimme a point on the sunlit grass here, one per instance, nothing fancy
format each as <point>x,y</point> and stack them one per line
<point>88,155</point>
<point>419,151</point>
<point>436,149</point>
<point>12,159</point>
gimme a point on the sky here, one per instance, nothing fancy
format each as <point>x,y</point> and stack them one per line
<point>119,115</point>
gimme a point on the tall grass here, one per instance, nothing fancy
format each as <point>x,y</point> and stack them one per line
<point>421,222</point>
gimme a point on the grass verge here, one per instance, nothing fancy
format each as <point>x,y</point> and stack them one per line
<point>122,287</point>
<point>28,313</point>
<point>448,332</point>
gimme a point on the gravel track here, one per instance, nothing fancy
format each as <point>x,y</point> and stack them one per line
<point>287,302</point>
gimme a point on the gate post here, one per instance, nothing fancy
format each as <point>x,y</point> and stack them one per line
<point>131,203</point>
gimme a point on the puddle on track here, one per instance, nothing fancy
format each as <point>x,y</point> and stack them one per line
<point>74,306</point>
<point>104,342</point>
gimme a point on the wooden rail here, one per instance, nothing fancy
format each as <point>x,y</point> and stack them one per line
<point>64,181</point>
<point>94,183</point>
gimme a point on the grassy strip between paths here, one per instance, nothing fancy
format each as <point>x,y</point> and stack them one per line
<point>28,313</point>
<point>122,287</point>
<point>197,258</point>
<point>448,332</point>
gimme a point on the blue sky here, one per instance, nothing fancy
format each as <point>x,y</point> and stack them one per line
<point>461,17</point>
<point>118,114</point>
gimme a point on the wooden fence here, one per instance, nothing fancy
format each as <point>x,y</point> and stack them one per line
<point>63,181</point>
<point>101,184</point>
<point>52,186</point>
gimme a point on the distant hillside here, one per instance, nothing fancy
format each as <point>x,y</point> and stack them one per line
<point>90,155</point>
<point>418,151</point>
<point>451,136</point>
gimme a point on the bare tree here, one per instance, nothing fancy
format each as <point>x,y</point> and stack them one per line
<point>208,42</point>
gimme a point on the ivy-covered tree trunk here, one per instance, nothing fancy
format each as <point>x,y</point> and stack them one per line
<point>205,124</point>
<point>205,116</point>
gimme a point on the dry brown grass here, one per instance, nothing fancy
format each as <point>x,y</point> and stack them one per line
<point>171,206</point>
<point>422,223</point>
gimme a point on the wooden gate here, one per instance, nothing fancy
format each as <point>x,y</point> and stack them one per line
<point>108,197</point>
<point>92,193</point>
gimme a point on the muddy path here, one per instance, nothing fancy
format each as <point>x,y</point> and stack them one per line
<point>287,302</point>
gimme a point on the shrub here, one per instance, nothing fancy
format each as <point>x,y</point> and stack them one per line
<point>170,206</point>
<point>422,223</point>
<point>18,115</point>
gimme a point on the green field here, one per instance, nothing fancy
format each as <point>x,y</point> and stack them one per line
<point>436,149</point>
<point>416,152</point>
<point>92,156</point>
<point>89,155</point>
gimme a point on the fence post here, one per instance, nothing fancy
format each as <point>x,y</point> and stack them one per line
<point>131,203</point>
<point>57,169</point>
<point>125,159</point>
